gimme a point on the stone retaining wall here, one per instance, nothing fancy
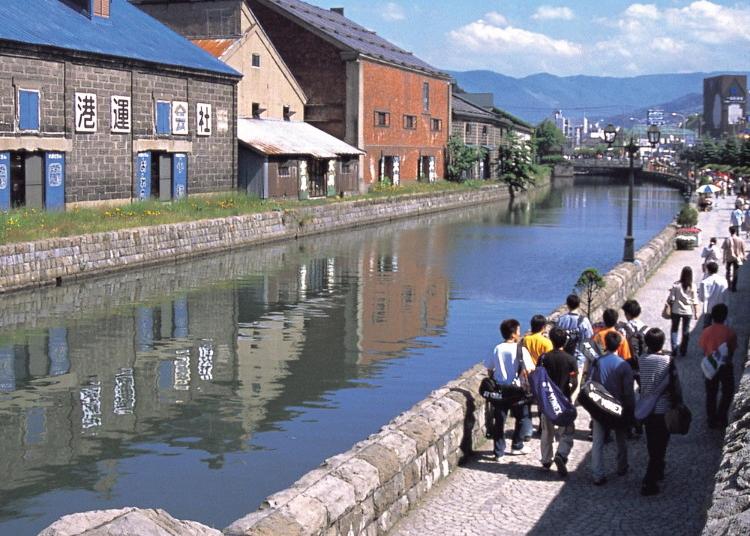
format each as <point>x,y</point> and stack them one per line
<point>729,514</point>
<point>51,261</point>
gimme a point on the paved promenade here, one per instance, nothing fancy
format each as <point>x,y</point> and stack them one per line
<point>516,496</point>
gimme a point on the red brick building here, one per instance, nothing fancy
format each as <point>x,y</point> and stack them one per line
<point>363,90</point>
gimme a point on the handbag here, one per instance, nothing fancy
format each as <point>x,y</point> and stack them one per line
<point>666,312</point>
<point>550,398</point>
<point>678,419</point>
<point>710,364</point>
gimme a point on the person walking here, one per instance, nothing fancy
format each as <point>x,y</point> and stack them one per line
<point>610,317</point>
<point>617,377</point>
<point>655,368</point>
<point>563,370</point>
<point>683,306</point>
<point>710,253</point>
<point>722,339</point>
<point>711,291</point>
<point>510,363</point>
<point>577,327</point>
<point>733,250</point>
<point>537,343</point>
<point>737,217</point>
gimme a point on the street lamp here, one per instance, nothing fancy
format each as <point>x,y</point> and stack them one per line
<point>610,134</point>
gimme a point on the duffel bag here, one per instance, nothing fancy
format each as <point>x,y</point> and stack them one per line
<point>601,405</point>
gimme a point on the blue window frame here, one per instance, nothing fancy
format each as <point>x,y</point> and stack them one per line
<point>163,117</point>
<point>28,109</point>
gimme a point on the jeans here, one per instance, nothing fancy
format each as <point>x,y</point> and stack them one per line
<point>501,414</point>
<point>562,434</point>
<point>657,439</point>
<point>685,332</point>
<point>597,450</point>
<point>732,267</point>
<point>725,379</point>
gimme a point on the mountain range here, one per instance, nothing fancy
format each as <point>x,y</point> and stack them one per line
<point>600,98</point>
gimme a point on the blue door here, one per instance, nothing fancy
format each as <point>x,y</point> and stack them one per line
<point>179,175</point>
<point>54,183</point>
<point>143,176</point>
<point>5,181</point>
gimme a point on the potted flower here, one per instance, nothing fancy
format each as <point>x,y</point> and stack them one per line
<point>688,235</point>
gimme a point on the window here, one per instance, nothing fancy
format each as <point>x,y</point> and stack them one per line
<point>346,167</point>
<point>426,96</point>
<point>101,8</point>
<point>468,129</point>
<point>410,122</point>
<point>287,113</point>
<point>382,119</point>
<point>484,131</point>
<point>163,117</point>
<point>257,110</point>
<point>436,125</point>
<point>284,171</point>
<point>255,60</point>
<point>28,109</point>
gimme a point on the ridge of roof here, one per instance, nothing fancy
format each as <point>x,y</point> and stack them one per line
<point>54,23</point>
<point>353,36</point>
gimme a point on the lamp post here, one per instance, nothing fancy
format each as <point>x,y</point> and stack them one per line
<point>610,134</point>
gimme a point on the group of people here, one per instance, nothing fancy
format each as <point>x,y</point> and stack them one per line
<point>629,360</point>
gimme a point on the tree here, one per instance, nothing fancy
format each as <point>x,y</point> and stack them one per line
<point>461,158</point>
<point>730,153</point>
<point>745,153</point>
<point>588,285</point>
<point>548,139</point>
<point>516,168</point>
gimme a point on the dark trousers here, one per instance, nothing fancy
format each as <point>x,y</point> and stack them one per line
<point>657,439</point>
<point>725,379</point>
<point>685,332</point>
<point>520,414</point>
<point>732,267</point>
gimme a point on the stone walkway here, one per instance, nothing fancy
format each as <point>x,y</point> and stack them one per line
<point>516,496</point>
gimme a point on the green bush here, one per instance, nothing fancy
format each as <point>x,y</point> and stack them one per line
<point>688,217</point>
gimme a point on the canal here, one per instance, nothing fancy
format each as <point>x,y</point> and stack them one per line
<point>203,387</point>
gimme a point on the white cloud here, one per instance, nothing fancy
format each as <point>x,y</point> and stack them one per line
<point>393,12</point>
<point>643,11</point>
<point>493,17</point>
<point>553,13</point>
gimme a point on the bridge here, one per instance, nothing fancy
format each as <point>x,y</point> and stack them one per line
<point>620,166</point>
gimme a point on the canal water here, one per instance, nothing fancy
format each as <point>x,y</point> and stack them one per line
<point>205,386</point>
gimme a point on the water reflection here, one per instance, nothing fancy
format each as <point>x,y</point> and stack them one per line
<point>240,371</point>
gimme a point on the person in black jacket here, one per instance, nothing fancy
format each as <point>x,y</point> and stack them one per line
<point>562,369</point>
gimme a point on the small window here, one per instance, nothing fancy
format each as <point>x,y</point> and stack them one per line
<point>382,119</point>
<point>436,125</point>
<point>426,96</point>
<point>257,110</point>
<point>410,122</point>
<point>163,117</point>
<point>484,131</point>
<point>468,129</point>
<point>346,167</point>
<point>284,171</point>
<point>28,109</point>
<point>255,60</point>
<point>287,113</point>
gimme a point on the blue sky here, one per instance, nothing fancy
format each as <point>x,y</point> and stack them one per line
<point>518,38</point>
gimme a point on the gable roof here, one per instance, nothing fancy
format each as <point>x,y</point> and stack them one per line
<point>127,33</point>
<point>463,107</point>
<point>349,35</point>
<point>278,138</point>
<point>215,47</point>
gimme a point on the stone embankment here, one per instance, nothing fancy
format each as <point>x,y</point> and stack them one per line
<point>52,261</point>
<point>730,510</point>
<point>367,489</point>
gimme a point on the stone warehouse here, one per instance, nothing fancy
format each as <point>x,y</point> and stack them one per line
<point>99,102</point>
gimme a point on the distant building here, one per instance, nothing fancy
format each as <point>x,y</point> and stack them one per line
<point>278,155</point>
<point>724,105</point>
<point>480,128</point>
<point>100,103</point>
<point>363,89</point>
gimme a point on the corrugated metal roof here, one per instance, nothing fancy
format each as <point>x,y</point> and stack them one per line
<point>127,33</point>
<point>461,106</point>
<point>215,47</point>
<point>351,35</point>
<point>275,138</point>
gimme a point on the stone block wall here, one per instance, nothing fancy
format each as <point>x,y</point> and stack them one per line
<point>729,514</point>
<point>52,261</point>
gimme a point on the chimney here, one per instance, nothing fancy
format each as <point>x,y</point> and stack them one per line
<point>339,10</point>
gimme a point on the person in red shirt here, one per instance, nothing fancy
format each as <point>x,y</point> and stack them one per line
<point>710,340</point>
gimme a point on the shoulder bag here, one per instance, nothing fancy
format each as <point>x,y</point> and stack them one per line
<point>552,401</point>
<point>601,405</point>
<point>678,418</point>
<point>646,404</point>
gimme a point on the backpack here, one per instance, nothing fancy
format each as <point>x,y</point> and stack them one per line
<point>574,336</point>
<point>636,341</point>
<point>550,398</point>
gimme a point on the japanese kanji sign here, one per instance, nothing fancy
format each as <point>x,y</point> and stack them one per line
<point>203,114</point>
<point>85,110</point>
<point>120,114</point>
<point>179,117</point>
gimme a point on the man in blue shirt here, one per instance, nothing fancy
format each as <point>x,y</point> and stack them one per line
<point>616,375</point>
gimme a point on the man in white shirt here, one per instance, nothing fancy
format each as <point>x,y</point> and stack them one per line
<point>510,363</point>
<point>712,290</point>
<point>738,215</point>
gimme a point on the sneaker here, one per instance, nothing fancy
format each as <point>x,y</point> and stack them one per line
<point>496,458</point>
<point>521,451</point>
<point>600,481</point>
<point>560,463</point>
<point>546,465</point>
